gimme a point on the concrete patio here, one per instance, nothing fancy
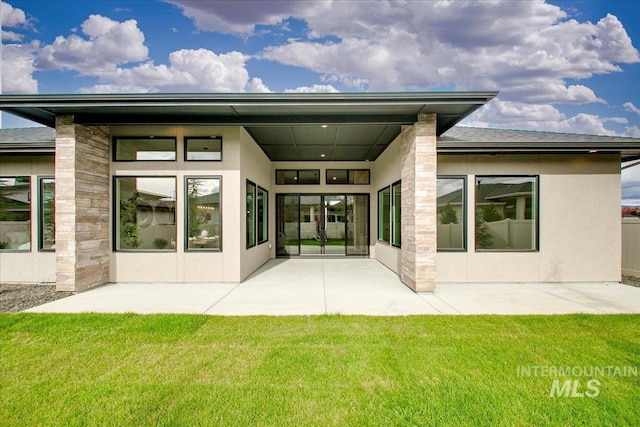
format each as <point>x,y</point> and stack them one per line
<point>316,286</point>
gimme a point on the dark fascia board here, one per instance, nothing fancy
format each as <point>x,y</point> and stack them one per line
<point>628,150</point>
<point>308,108</point>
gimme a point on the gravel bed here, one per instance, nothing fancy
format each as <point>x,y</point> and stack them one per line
<point>631,281</point>
<point>18,297</point>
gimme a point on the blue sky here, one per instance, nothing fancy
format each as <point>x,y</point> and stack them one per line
<point>564,66</point>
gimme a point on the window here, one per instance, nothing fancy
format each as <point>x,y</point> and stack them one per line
<point>452,210</point>
<point>251,214</point>
<point>294,177</point>
<point>47,225</point>
<point>390,214</point>
<point>15,213</point>
<point>348,176</point>
<point>203,148</point>
<point>506,213</point>
<point>384,215</point>
<point>257,214</point>
<point>145,213</point>
<point>396,228</point>
<point>263,215</point>
<point>144,149</point>
<point>203,213</point>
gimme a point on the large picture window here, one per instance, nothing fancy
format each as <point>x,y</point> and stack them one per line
<point>15,213</point>
<point>506,210</point>
<point>144,149</point>
<point>145,213</point>
<point>451,213</point>
<point>257,214</point>
<point>47,227</point>
<point>203,213</point>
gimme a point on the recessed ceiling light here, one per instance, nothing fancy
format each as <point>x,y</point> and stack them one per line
<point>324,126</point>
<point>334,178</point>
<point>322,155</point>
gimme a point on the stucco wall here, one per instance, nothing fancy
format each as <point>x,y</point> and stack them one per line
<point>255,166</point>
<point>387,171</point>
<point>579,221</point>
<point>187,266</point>
<point>29,266</point>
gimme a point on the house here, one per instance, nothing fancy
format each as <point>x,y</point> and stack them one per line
<point>208,187</point>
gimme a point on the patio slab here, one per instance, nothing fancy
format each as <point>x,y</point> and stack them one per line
<point>348,286</point>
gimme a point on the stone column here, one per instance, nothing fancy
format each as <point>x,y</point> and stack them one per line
<point>419,211</point>
<point>82,205</point>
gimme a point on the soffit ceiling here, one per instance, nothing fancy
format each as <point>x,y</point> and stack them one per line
<point>297,127</point>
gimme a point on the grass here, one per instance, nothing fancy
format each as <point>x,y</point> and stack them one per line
<point>328,370</point>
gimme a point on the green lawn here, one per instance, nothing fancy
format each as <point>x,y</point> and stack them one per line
<point>326,370</point>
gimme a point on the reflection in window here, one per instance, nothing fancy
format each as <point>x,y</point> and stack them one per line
<point>145,149</point>
<point>384,214</point>
<point>251,214</point>
<point>506,213</point>
<point>47,214</point>
<point>396,229</point>
<point>204,149</point>
<point>347,176</point>
<point>15,213</point>
<point>294,176</point>
<point>451,213</point>
<point>146,216</point>
<point>203,213</point>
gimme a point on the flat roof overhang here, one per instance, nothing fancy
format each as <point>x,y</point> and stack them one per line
<point>627,150</point>
<point>290,126</point>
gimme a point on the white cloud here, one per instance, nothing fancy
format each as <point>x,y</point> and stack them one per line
<point>12,17</point>
<point>517,115</point>
<point>630,107</point>
<point>314,89</point>
<point>189,70</point>
<point>632,131</point>
<point>11,36</point>
<point>240,17</point>
<point>17,69</point>
<point>110,43</point>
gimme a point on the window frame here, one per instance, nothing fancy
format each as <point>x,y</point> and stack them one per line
<point>350,175</point>
<point>380,210</point>
<point>116,216</point>
<point>116,139</point>
<point>186,147</point>
<point>265,216</point>
<point>30,218</point>
<point>251,215</point>
<point>536,221</point>
<point>186,213</point>
<point>41,184</point>
<point>392,218</point>
<point>465,214</point>
<point>257,221</point>
<point>297,178</point>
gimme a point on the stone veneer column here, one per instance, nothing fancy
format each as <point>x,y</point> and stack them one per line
<point>82,205</point>
<point>419,212</point>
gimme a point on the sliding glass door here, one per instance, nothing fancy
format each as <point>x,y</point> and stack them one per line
<point>322,224</point>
